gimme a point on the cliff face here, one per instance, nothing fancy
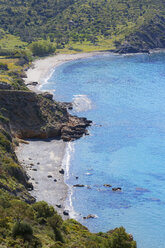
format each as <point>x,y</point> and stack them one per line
<point>24,114</point>
<point>38,116</point>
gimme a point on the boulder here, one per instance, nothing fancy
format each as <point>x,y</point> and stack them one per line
<point>49,176</point>
<point>79,185</point>
<point>66,212</point>
<point>62,171</point>
<point>58,206</point>
<point>116,189</point>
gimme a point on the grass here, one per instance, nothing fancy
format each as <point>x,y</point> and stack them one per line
<point>12,42</point>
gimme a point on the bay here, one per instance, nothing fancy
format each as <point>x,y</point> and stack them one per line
<point>124,96</point>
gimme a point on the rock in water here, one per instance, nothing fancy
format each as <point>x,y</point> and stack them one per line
<point>116,189</point>
<point>79,185</point>
<point>90,216</point>
<point>107,185</point>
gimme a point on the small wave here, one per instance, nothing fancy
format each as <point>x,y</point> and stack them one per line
<point>46,79</point>
<point>66,165</point>
<point>81,103</point>
<point>67,157</point>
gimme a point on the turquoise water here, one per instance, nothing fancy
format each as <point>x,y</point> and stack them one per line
<point>125,98</point>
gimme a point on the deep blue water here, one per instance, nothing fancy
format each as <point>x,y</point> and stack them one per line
<point>125,97</point>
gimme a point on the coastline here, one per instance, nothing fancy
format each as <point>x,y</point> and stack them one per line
<point>42,69</point>
<point>54,151</point>
<point>43,159</point>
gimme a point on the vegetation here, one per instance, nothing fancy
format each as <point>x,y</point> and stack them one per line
<point>73,23</point>
<point>38,28</point>
<point>41,48</point>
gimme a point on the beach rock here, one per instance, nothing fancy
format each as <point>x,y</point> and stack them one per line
<point>116,189</point>
<point>55,180</point>
<point>32,83</point>
<point>107,185</point>
<point>79,185</point>
<point>58,206</point>
<point>90,216</point>
<point>34,169</point>
<point>49,176</point>
<point>66,212</point>
<point>62,171</point>
<point>38,163</point>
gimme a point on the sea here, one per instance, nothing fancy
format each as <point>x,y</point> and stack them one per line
<point>124,96</point>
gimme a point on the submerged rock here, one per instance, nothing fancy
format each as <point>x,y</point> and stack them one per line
<point>79,185</point>
<point>116,189</point>
<point>90,216</point>
<point>107,185</point>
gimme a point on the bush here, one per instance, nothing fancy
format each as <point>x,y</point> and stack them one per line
<point>41,48</point>
<point>43,210</point>
<point>22,229</point>
<point>4,67</point>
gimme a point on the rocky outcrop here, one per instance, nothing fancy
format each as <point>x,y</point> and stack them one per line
<point>38,116</point>
<point>128,48</point>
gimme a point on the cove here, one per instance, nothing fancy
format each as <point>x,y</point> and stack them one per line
<point>124,96</point>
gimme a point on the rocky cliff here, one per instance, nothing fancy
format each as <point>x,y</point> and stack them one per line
<point>39,116</point>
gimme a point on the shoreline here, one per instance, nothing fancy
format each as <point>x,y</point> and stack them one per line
<point>40,72</point>
<point>42,69</point>
<point>43,159</point>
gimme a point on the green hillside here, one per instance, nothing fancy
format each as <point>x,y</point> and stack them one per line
<point>73,21</point>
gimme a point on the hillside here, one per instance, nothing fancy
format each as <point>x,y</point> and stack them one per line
<point>141,23</point>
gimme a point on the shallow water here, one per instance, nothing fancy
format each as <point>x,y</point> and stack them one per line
<point>125,98</point>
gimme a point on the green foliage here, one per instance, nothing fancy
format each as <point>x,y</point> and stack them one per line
<point>4,67</point>
<point>22,229</point>
<point>42,48</point>
<point>68,21</point>
<point>43,210</point>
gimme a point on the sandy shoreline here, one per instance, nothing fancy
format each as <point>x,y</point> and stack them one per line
<point>43,159</point>
<point>42,68</point>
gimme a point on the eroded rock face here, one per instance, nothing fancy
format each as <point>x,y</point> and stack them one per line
<point>37,116</point>
<point>128,48</point>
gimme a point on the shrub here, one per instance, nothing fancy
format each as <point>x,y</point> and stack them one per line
<point>41,48</point>
<point>4,67</point>
<point>43,209</point>
<point>22,229</point>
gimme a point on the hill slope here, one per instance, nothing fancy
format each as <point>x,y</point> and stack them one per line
<point>141,23</point>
